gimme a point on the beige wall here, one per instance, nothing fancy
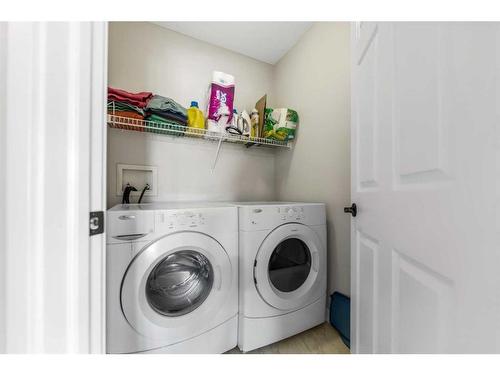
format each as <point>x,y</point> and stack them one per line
<point>314,79</point>
<point>146,57</point>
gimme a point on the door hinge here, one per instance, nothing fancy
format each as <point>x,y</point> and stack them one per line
<point>96,223</point>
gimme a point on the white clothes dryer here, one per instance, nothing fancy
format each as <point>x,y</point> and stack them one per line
<point>172,274</point>
<point>282,268</point>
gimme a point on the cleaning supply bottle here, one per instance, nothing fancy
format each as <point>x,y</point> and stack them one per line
<point>232,127</point>
<point>195,117</point>
<point>254,123</point>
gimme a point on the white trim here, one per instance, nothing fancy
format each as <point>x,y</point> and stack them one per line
<point>35,268</point>
<point>3,181</point>
<point>98,132</point>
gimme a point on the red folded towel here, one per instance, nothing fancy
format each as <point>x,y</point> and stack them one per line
<point>127,117</point>
<point>139,99</point>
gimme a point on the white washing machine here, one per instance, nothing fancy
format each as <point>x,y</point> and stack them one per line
<point>172,278</point>
<point>282,261</point>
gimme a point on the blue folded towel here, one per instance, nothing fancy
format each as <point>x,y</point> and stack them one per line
<point>163,104</point>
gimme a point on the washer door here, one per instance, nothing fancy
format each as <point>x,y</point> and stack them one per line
<point>176,284</point>
<point>287,267</point>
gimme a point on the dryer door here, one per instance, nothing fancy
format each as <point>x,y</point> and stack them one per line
<point>176,284</point>
<point>287,268</point>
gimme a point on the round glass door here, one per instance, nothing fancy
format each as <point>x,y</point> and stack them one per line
<point>179,283</point>
<point>289,265</point>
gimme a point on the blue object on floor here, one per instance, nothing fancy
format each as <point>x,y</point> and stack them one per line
<point>340,316</point>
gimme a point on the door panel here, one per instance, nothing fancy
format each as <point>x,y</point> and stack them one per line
<point>420,303</point>
<point>366,119</point>
<point>424,150</point>
<point>367,250</point>
<point>419,118</point>
<point>418,99</point>
<point>364,33</point>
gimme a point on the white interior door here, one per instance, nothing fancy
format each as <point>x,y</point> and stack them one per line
<point>425,178</point>
<point>52,144</point>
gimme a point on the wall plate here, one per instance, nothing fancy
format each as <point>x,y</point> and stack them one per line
<point>137,176</point>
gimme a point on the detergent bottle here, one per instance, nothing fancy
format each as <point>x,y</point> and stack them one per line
<point>195,117</point>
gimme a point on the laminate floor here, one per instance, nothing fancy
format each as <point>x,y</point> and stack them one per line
<point>323,339</point>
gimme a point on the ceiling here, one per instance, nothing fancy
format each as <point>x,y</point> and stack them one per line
<point>264,41</point>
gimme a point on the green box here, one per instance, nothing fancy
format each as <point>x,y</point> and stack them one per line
<point>280,123</point>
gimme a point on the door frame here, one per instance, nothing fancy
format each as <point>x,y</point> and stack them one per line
<point>52,284</point>
<point>98,185</point>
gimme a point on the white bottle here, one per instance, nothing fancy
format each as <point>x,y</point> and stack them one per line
<point>245,124</point>
<point>254,121</point>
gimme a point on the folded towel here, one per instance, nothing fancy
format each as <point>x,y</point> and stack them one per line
<point>122,106</point>
<point>129,114</point>
<point>139,99</point>
<point>162,123</point>
<point>127,117</point>
<point>153,117</point>
<point>161,103</point>
<point>167,115</point>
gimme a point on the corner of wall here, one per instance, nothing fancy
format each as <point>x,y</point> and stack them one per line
<point>314,79</point>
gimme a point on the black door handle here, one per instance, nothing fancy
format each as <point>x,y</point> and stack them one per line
<point>353,210</point>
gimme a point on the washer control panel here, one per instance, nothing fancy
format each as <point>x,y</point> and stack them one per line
<point>179,220</point>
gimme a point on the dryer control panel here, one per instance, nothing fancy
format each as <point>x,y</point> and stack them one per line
<point>290,213</point>
<point>259,217</point>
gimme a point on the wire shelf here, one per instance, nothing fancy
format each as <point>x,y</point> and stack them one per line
<point>128,123</point>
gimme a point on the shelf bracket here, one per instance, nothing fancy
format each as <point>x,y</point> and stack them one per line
<point>216,158</point>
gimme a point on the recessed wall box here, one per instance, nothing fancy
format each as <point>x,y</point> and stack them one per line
<point>137,176</point>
